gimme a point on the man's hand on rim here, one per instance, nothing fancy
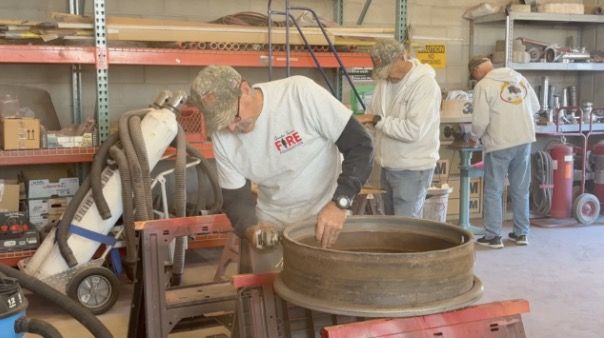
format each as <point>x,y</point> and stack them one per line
<point>330,222</point>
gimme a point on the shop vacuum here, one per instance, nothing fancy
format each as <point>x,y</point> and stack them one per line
<point>13,307</point>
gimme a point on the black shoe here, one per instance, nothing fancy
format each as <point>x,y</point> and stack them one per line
<point>494,242</point>
<point>519,239</point>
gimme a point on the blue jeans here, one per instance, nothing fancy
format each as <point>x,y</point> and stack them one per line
<point>405,191</point>
<point>516,163</point>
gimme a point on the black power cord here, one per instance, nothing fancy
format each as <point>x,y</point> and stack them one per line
<point>542,182</point>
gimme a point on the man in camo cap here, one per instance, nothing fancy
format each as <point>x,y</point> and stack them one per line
<point>405,111</point>
<point>383,55</point>
<point>217,91</point>
<point>286,136</point>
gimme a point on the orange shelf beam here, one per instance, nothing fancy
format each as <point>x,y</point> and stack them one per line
<point>46,156</point>
<point>172,57</point>
<point>11,258</point>
<point>47,54</point>
<point>71,155</point>
<point>204,148</point>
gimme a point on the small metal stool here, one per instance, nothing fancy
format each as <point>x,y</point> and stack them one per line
<point>368,198</point>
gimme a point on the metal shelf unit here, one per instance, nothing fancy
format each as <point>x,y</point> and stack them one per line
<point>102,57</point>
<point>544,17</point>
<point>510,19</point>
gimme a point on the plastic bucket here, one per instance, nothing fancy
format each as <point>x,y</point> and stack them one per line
<point>435,205</point>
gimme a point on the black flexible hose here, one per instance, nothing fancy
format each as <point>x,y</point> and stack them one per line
<point>135,167</point>
<point>180,203</point>
<point>98,164</point>
<point>81,314</point>
<point>200,202</point>
<point>36,326</point>
<point>211,174</point>
<point>138,141</point>
<point>128,209</point>
<point>63,226</point>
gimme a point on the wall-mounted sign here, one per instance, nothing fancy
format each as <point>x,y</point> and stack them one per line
<point>435,55</point>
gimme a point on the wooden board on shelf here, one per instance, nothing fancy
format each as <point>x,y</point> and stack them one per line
<point>139,29</point>
<point>114,20</point>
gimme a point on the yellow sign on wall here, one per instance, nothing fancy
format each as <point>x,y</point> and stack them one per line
<point>435,55</point>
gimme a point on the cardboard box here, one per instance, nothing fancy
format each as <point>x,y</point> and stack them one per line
<point>40,207</point>
<point>45,189</point>
<point>441,172</point>
<point>20,133</point>
<point>475,207</point>
<point>455,108</point>
<point>562,8</point>
<point>54,140</point>
<point>9,196</point>
<point>517,8</point>
<point>475,186</point>
<point>42,221</point>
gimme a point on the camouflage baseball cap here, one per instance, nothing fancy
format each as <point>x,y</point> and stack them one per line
<point>383,54</point>
<point>216,91</point>
<point>476,61</point>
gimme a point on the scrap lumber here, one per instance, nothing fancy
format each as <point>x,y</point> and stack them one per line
<point>69,27</point>
<point>140,29</point>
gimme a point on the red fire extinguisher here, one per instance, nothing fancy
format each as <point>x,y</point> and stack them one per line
<point>562,200</point>
<point>597,160</point>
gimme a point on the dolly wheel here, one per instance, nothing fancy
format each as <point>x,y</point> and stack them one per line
<point>95,288</point>
<point>586,208</point>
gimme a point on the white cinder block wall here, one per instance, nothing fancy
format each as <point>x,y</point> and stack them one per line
<point>133,87</point>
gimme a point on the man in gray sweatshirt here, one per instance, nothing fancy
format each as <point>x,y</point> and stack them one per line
<point>405,110</point>
<point>504,105</point>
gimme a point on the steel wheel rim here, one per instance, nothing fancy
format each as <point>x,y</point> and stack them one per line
<point>467,298</point>
<point>371,245</point>
<point>588,209</point>
<point>94,291</point>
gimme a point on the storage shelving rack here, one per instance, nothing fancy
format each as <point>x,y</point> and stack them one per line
<point>513,18</point>
<point>102,57</point>
<point>587,26</point>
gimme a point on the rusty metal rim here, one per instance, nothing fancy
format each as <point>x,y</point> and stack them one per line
<point>321,305</point>
<point>360,219</point>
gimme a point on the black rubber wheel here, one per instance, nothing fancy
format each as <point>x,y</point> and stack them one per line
<point>95,288</point>
<point>586,208</point>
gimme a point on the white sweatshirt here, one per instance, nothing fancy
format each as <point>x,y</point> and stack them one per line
<point>504,105</point>
<point>407,137</point>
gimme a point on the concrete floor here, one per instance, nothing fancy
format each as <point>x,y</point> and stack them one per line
<point>561,274</point>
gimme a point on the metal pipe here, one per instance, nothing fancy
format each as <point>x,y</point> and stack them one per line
<point>363,12</point>
<point>287,46</point>
<point>269,13</point>
<point>335,54</point>
<point>545,93</point>
<point>572,99</point>
<point>312,53</point>
<point>565,97</point>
